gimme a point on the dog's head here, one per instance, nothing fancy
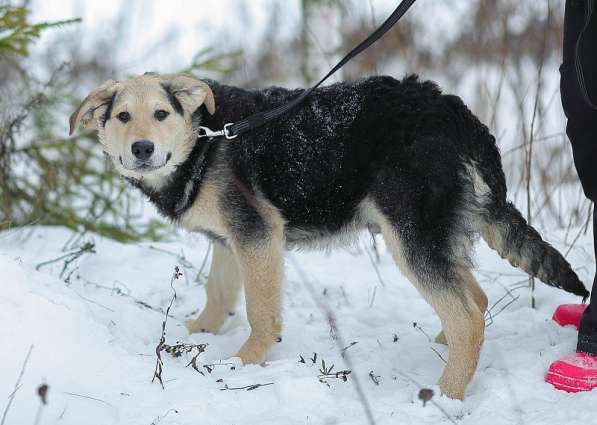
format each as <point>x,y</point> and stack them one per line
<point>145,124</point>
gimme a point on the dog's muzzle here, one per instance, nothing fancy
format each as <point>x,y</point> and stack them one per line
<point>144,166</point>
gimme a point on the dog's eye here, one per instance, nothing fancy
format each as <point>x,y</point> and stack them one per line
<point>124,117</point>
<point>160,114</point>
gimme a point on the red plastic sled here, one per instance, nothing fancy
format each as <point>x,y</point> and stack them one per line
<point>569,314</point>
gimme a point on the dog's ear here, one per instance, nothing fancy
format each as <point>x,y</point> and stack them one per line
<point>190,92</point>
<point>93,106</point>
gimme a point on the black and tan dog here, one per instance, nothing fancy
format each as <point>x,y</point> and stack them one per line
<point>398,156</point>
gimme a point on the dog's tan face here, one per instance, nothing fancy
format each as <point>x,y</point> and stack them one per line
<point>145,123</point>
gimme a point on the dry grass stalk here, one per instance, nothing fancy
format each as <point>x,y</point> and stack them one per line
<point>159,363</point>
<point>11,396</point>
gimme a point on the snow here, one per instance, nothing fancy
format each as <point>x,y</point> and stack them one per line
<point>94,343</point>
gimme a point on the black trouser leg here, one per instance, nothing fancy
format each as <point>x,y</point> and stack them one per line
<point>587,334</point>
<point>582,132</point>
<point>582,119</point>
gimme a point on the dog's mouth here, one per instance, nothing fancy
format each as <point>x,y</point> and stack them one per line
<point>145,166</point>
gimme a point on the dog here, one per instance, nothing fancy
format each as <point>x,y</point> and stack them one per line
<point>398,156</point>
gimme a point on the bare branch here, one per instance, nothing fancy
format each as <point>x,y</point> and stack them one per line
<point>17,385</point>
<point>159,363</point>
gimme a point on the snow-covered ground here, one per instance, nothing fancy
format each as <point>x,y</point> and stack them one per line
<point>94,339</point>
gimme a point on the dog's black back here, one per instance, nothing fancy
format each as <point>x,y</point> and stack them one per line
<point>317,163</point>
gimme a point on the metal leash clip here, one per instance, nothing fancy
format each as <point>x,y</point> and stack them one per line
<point>225,132</point>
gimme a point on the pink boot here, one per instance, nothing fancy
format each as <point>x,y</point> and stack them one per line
<point>569,314</point>
<point>574,373</point>
<point>577,372</point>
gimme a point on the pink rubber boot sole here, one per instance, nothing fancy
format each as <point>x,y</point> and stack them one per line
<point>573,374</point>
<point>569,314</point>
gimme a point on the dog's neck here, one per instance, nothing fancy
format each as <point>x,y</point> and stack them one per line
<point>180,189</point>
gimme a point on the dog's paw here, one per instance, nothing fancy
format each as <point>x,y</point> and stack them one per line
<point>452,389</point>
<point>192,327</point>
<point>254,351</point>
<point>206,322</point>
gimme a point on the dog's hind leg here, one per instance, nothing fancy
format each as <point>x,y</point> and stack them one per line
<point>443,285</point>
<point>463,326</point>
<point>223,285</point>
<point>476,292</point>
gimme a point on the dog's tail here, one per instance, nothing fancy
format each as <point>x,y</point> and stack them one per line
<point>506,231</point>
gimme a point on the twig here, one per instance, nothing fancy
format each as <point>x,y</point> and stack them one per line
<point>89,398</point>
<point>532,136</point>
<point>247,387</point>
<point>193,361</point>
<point>88,247</point>
<point>438,355</point>
<point>352,344</point>
<point>512,301</point>
<point>374,378</point>
<point>157,420</point>
<point>520,284</point>
<point>420,329</point>
<point>490,316</point>
<point>70,274</point>
<point>182,259</point>
<point>118,291</point>
<point>582,230</point>
<point>375,266</point>
<point>17,385</point>
<point>537,140</point>
<point>372,232</point>
<point>210,367</point>
<point>180,348</point>
<point>159,364</point>
<point>73,241</point>
<point>328,373</point>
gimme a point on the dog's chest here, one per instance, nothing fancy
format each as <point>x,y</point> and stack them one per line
<point>204,214</point>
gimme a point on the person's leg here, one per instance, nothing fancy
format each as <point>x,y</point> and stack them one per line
<point>581,130</point>
<point>579,371</point>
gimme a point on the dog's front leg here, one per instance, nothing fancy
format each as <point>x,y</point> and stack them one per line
<point>261,263</point>
<point>223,286</point>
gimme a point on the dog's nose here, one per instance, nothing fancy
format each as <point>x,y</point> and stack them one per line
<point>142,149</point>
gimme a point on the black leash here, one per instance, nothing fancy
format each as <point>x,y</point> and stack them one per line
<point>233,130</point>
